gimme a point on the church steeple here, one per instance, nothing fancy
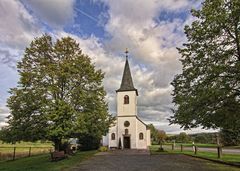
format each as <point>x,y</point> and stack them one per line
<point>127,83</point>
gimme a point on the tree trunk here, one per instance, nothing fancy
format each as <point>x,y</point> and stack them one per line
<point>57,144</point>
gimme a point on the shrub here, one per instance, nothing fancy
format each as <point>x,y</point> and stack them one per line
<point>103,149</point>
<point>89,142</point>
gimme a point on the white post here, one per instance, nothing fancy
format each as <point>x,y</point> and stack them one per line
<point>193,147</point>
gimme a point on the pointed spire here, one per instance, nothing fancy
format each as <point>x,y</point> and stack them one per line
<point>127,83</point>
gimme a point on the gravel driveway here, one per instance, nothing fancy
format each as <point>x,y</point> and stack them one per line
<point>135,160</point>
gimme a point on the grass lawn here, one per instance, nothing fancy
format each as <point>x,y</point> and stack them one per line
<point>27,144</point>
<point>23,148</point>
<point>211,155</point>
<point>43,163</point>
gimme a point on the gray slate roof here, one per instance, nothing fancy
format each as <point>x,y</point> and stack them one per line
<point>127,83</point>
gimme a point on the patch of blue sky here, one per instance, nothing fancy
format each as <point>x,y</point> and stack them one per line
<point>90,19</point>
<point>170,16</point>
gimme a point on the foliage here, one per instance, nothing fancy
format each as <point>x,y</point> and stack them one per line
<point>59,94</point>
<point>103,149</point>
<point>161,136</point>
<point>154,133</point>
<point>171,138</point>
<point>204,138</point>
<point>89,142</point>
<point>230,137</point>
<point>200,139</point>
<point>180,138</point>
<point>183,138</point>
<point>207,93</point>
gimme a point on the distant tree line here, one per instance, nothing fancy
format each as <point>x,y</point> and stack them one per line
<point>226,138</point>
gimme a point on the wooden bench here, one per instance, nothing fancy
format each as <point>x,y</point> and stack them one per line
<point>69,151</point>
<point>58,155</point>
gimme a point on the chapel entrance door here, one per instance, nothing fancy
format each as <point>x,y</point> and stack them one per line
<point>126,142</point>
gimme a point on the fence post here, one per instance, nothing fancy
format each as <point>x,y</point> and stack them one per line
<point>29,153</point>
<point>172,146</point>
<point>181,147</point>
<point>195,149</point>
<point>14,152</point>
<point>219,149</point>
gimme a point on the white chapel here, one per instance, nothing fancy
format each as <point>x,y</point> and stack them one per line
<point>128,131</point>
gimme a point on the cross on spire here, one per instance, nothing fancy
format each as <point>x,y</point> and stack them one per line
<point>126,52</point>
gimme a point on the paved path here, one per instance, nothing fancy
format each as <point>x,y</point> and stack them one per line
<point>134,160</point>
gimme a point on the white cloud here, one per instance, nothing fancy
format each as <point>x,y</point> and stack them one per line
<point>17,26</point>
<point>136,25</point>
<point>4,112</point>
<point>55,13</point>
<point>17,30</point>
<point>133,24</point>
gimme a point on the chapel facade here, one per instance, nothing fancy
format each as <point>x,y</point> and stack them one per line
<point>128,131</point>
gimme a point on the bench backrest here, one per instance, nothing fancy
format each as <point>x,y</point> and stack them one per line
<point>58,154</point>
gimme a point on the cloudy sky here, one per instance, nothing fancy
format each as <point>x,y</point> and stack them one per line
<point>150,29</point>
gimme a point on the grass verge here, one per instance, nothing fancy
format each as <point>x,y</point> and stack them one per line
<point>228,158</point>
<point>43,163</point>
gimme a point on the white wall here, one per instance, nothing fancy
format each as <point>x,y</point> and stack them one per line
<point>142,144</point>
<point>128,112</point>
<point>126,109</point>
<point>105,141</point>
<point>113,143</point>
<point>131,130</point>
<point>148,137</point>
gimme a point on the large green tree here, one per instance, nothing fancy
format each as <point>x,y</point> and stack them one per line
<point>59,94</point>
<point>207,92</point>
<point>230,137</point>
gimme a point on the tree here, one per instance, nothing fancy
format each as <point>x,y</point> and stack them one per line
<point>183,138</point>
<point>201,138</point>
<point>230,137</point>
<point>204,138</point>
<point>154,133</point>
<point>207,92</point>
<point>161,136</point>
<point>171,138</point>
<point>59,94</point>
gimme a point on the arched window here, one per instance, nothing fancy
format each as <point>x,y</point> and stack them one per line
<point>141,136</point>
<point>126,131</point>
<point>126,99</point>
<point>113,136</point>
